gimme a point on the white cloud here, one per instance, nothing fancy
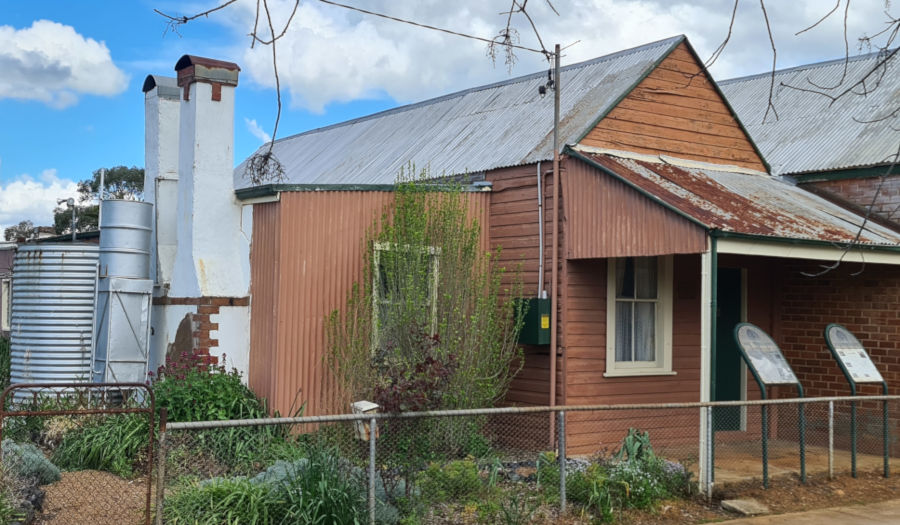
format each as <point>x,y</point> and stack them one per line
<point>52,63</point>
<point>27,198</point>
<point>257,131</point>
<point>332,54</point>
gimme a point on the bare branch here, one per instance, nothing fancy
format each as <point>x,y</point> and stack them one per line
<point>175,21</point>
<point>829,13</point>
<point>718,52</point>
<point>771,105</point>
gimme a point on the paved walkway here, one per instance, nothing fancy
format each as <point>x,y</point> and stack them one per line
<point>884,513</point>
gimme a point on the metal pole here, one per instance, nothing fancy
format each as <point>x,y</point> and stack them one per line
<point>802,443</point>
<point>831,440</point>
<point>885,432</point>
<point>765,445</point>
<point>561,416</point>
<point>372,432</point>
<point>710,465</point>
<point>853,438</point>
<point>161,467</point>
<point>554,298</point>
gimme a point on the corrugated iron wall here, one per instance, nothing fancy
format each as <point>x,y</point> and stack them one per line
<point>307,253</point>
<point>606,218</point>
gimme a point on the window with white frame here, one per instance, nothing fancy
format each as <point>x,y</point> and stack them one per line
<point>405,280</point>
<point>639,316</point>
<point>5,291</point>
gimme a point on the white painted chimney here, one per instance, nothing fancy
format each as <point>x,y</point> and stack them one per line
<point>161,124</point>
<point>212,257</point>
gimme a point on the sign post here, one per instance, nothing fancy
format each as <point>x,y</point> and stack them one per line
<point>769,368</point>
<point>857,368</point>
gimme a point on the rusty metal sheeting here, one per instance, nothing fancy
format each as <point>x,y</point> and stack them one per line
<point>503,124</point>
<point>307,253</point>
<point>606,218</point>
<point>810,132</point>
<point>745,203</point>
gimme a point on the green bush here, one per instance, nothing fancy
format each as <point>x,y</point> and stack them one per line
<point>319,488</point>
<point>4,362</point>
<point>111,443</point>
<point>26,461</point>
<point>456,480</point>
<point>206,395</point>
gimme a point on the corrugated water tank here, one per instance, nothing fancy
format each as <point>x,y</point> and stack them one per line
<point>125,238</point>
<point>52,314</point>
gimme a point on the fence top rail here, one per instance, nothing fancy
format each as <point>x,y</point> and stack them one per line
<point>511,410</point>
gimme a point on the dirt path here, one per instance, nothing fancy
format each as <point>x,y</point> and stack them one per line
<point>93,497</point>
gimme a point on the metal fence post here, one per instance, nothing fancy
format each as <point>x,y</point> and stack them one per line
<point>373,430</point>
<point>561,445</point>
<point>886,437</point>
<point>161,467</point>
<point>710,466</point>
<point>831,440</point>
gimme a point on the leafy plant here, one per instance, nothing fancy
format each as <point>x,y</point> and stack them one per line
<point>320,488</point>
<point>5,362</point>
<point>516,509</point>
<point>25,460</point>
<point>635,447</point>
<point>456,480</point>
<point>112,443</point>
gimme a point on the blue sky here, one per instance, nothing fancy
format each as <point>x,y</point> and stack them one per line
<point>71,72</point>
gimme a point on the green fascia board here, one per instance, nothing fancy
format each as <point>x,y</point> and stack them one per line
<point>269,190</point>
<point>628,91</point>
<point>576,154</point>
<point>855,173</point>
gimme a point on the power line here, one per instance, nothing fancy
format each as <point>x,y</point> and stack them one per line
<point>433,28</point>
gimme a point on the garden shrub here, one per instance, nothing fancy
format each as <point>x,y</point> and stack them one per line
<point>320,488</point>
<point>25,460</point>
<point>5,362</point>
<point>456,480</point>
<point>113,443</point>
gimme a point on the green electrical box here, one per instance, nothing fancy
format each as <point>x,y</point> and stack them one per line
<point>536,325</point>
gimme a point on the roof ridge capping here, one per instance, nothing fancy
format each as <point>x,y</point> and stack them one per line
<point>515,80</point>
<point>803,67</point>
<point>666,159</point>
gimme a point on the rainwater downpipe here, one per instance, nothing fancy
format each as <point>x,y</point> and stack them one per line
<point>554,300</point>
<point>541,291</point>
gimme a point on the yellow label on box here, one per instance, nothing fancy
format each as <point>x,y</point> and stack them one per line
<point>545,322</point>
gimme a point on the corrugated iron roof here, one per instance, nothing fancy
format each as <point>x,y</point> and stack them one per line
<point>503,124</point>
<point>737,202</point>
<point>811,133</point>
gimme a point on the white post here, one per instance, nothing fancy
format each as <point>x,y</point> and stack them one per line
<point>705,364</point>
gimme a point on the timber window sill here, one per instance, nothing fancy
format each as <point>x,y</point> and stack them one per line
<point>637,373</point>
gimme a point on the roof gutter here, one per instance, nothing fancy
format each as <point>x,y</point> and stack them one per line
<point>270,190</point>
<point>803,242</point>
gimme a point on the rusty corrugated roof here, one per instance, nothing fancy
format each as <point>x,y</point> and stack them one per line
<point>498,125</point>
<point>811,133</point>
<point>739,201</point>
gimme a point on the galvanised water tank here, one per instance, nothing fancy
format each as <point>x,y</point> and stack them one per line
<point>52,312</point>
<point>125,230</point>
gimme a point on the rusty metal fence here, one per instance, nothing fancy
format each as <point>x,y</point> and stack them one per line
<point>77,453</point>
<point>508,464</point>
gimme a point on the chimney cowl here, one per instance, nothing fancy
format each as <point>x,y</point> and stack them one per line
<point>167,87</point>
<point>192,69</point>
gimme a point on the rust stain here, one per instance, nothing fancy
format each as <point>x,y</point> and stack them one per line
<point>697,194</point>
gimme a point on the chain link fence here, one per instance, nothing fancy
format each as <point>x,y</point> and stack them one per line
<point>507,465</point>
<point>76,453</point>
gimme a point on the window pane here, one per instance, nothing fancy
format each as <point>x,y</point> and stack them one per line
<point>645,273</point>
<point>624,326</point>
<point>645,331</point>
<point>625,278</point>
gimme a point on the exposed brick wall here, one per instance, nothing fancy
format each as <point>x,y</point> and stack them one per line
<point>867,304</point>
<point>194,333</point>
<point>861,191</point>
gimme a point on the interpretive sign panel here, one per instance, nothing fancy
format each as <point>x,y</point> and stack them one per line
<point>852,356</point>
<point>764,356</point>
